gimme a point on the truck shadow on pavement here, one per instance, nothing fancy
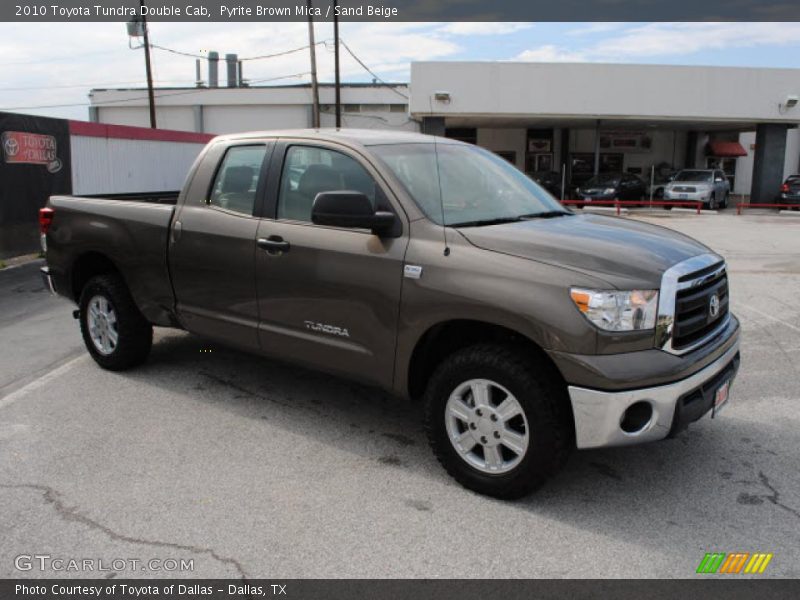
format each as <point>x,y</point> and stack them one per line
<point>720,475</point>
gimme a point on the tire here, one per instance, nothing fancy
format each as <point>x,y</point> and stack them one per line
<point>544,420</point>
<point>725,201</point>
<point>115,333</point>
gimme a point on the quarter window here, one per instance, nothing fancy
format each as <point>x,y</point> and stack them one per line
<point>308,170</point>
<point>237,179</point>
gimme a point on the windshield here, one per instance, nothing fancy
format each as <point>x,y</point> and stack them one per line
<point>694,176</point>
<point>604,179</point>
<point>470,186</point>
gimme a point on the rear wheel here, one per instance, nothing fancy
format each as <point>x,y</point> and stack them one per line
<point>498,422</point>
<point>115,333</point>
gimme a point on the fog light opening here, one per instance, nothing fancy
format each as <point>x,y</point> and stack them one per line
<point>637,417</point>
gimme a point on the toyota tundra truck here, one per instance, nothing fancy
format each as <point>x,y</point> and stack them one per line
<point>425,266</point>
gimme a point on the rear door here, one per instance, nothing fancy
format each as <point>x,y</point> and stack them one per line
<point>328,297</point>
<point>212,247</point>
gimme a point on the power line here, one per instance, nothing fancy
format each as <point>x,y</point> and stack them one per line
<point>122,100</point>
<point>259,57</point>
<point>368,70</point>
<point>80,85</point>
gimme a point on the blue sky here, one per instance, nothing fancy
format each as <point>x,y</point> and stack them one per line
<point>57,63</point>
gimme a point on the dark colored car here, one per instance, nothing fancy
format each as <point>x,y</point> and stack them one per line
<point>790,191</point>
<point>549,180</point>
<point>613,186</point>
<point>428,267</point>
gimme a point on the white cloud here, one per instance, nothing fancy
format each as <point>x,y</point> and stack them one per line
<point>594,28</point>
<point>489,28</point>
<point>550,53</point>
<point>669,39</point>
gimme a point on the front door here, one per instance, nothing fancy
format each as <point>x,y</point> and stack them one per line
<point>328,297</point>
<point>212,247</point>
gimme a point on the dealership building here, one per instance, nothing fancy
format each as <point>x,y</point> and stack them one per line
<point>571,118</point>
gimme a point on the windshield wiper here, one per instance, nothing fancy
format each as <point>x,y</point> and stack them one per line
<point>482,222</point>
<point>549,214</point>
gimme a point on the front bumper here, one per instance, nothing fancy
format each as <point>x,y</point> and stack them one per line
<point>704,196</point>
<point>599,414</point>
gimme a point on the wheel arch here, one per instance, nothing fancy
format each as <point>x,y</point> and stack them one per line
<point>86,266</point>
<point>443,338</point>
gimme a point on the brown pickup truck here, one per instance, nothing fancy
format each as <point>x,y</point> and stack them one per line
<point>425,266</point>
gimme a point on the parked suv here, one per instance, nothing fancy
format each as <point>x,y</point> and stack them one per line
<point>709,186</point>
<point>427,267</point>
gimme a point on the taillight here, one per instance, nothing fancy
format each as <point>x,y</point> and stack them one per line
<point>785,188</point>
<point>45,219</point>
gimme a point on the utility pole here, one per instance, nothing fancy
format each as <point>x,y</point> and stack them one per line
<point>336,64</point>
<point>314,88</point>
<point>150,95</point>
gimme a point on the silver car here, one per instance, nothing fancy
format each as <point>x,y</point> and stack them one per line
<point>709,186</point>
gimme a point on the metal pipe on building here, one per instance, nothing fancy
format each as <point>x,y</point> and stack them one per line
<point>198,76</point>
<point>336,64</point>
<point>213,69</point>
<point>597,148</point>
<point>314,87</point>
<point>231,61</point>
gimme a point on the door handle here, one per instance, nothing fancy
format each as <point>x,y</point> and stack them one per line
<point>176,231</point>
<point>274,244</point>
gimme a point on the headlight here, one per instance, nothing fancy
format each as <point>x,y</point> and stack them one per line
<point>618,311</point>
<point>609,191</point>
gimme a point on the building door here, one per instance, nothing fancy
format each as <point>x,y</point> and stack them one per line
<point>540,161</point>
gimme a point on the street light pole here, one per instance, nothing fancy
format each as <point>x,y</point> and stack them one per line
<point>150,95</point>
<point>336,64</point>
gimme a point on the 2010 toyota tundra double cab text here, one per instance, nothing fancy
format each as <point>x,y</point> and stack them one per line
<point>425,266</point>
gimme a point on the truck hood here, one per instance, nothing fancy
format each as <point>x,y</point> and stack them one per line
<point>626,254</point>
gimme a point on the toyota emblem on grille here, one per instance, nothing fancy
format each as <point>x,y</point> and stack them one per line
<point>713,306</point>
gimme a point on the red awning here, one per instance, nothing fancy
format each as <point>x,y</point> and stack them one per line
<point>725,149</point>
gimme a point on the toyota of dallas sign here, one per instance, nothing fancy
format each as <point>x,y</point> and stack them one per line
<point>31,148</point>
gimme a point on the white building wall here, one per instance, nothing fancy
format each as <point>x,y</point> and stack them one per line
<point>113,166</point>
<point>235,119</point>
<point>176,118</point>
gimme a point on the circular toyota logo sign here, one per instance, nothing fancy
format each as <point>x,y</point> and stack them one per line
<point>11,147</point>
<point>713,306</point>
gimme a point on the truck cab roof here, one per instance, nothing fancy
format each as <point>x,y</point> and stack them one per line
<point>358,137</point>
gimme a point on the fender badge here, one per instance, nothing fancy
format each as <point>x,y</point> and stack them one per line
<point>412,271</point>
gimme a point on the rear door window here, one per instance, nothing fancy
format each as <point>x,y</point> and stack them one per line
<point>236,182</point>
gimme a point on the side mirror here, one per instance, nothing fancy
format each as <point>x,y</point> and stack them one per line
<point>719,180</point>
<point>350,209</point>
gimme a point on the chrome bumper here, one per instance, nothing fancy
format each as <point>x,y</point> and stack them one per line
<point>598,415</point>
<point>48,279</point>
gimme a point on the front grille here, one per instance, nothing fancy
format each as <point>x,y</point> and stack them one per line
<point>693,305</point>
<point>684,188</point>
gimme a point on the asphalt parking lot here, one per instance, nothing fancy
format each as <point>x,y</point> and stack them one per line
<point>253,468</point>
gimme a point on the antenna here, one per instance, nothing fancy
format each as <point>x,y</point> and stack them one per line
<point>439,182</point>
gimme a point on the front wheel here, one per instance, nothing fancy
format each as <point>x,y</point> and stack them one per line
<point>498,421</point>
<point>115,333</point>
<point>712,202</point>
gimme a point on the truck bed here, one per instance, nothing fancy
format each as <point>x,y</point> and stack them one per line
<point>132,230</point>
